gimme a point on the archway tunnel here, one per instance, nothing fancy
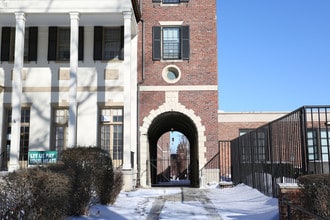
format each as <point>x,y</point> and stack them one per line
<point>174,121</point>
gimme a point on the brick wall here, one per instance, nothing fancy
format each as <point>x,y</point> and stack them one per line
<point>201,18</point>
<point>230,130</point>
<point>293,194</point>
<point>231,122</point>
<point>199,70</point>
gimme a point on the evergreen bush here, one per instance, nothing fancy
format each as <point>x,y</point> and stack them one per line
<point>82,178</point>
<point>117,186</point>
<point>34,194</point>
<point>94,177</point>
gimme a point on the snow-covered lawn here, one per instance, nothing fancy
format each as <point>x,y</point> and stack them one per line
<point>239,202</point>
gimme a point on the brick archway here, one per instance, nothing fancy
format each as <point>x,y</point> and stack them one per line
<point>161,120</point>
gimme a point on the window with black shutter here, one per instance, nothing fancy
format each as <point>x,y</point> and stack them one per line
<point>156,43</point>
<point>33,44</point>
<point>81,44</point>
<point>108,43</point>
<point>8,44</point>
<point>5,43</point>
<point>185,43</point>
<point>170,43</point>
<point>59,44</point>
<point>52,42</point>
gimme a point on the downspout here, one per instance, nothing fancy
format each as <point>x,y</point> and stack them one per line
<point>138,156</point>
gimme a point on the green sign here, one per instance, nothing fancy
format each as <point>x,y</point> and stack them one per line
<point>42,157</point>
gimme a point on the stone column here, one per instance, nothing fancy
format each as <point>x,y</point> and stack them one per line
<point>17,92</point>
<point>74,36</point>
<point>127,90</point>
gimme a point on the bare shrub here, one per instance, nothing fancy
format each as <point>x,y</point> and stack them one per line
<point>316,191</point>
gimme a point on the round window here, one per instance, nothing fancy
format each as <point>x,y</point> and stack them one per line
<point>171,74</point>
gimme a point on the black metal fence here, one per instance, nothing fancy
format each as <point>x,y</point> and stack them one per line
<point>282,150</point>
<point>219,166</point>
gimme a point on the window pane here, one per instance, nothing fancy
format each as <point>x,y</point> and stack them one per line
<point>324,142</point>
<point>111,133</point>
<point>117,115</point>
<point>313,152</point>
<point>24,133</point>
<point>61,116</point>
<point>105,137</point>
<point>117,142</point>
<point>59,138</point>
<point>63,44</point>
<point>61,129</point>
<point>325,157</point>
<point>171,43</point>
<point>24,143</point>
<point>325,149</point>
<point>112,43</point>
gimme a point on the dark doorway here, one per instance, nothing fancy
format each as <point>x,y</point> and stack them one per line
<point>179,165</point>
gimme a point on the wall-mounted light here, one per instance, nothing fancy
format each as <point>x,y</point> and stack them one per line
<point>327,123</point>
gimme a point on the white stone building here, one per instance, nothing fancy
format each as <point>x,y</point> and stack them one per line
<point>68,77</point>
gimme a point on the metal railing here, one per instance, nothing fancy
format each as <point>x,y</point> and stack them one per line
<point>282,150</point>
<point>219,166</point>
<point>225,161</point>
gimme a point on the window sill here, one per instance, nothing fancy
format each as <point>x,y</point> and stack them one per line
<point>171,61</point>
<point>108,61</point>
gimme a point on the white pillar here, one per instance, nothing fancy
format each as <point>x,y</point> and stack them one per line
<point>17,92</point>
<point>2,83</point>
<point>74,36</point>
<point>127,90</point>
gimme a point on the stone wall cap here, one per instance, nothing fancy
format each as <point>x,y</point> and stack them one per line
<point>288,185</point>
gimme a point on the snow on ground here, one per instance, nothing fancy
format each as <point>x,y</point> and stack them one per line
<point>236,203</point>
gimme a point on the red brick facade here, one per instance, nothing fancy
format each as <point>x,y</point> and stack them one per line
<point>196,90</point>
<point>230,123</point>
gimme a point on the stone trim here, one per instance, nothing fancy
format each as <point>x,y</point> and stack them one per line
<point>179,88</point>
<point>171,104</point>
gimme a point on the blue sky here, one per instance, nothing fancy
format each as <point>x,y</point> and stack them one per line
<point>273,55</point>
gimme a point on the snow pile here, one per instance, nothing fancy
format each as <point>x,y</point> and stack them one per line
<point>239,202</point>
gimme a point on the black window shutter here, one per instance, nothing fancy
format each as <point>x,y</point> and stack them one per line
<point>33,44</point>
<point>98,35</point>
<point>184,0</point>
<point>185,43</point>
<point>5,43</point>
<point>156,43</point>
<point>52,41</point>
<point>122,43</point>
<point>156,1</point>
<point>81,44</point>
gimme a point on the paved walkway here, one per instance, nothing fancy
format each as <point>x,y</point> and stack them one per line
<point>186,195</point>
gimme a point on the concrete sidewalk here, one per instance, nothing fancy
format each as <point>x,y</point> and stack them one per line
<point>186,195</point>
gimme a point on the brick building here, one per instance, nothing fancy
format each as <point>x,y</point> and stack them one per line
<point>234,124</point>
<point>177,88</point>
